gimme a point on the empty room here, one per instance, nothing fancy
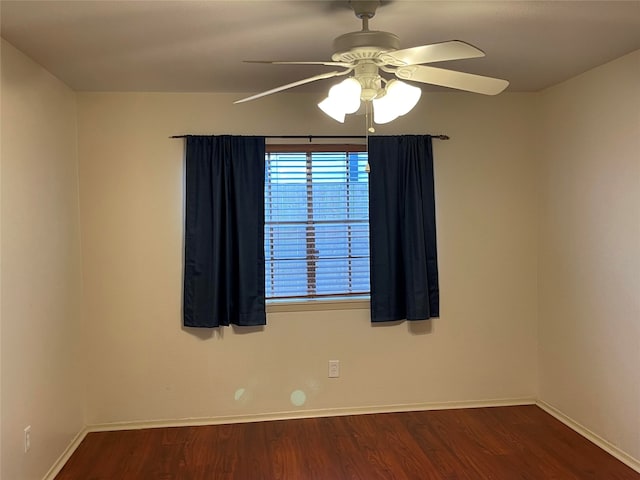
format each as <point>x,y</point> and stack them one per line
<point>320,240</point>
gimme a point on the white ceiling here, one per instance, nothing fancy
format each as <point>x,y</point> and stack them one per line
<point>198,46</point>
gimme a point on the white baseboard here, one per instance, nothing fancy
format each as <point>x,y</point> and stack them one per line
<point>608,447</point>
<point>60,462</point>
<point>295,414</point>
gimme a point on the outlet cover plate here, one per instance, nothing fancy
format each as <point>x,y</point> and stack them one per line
<point>334,368</point>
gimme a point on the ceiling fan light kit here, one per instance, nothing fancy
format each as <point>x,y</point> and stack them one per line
<point>343,98</point>
<point>399,98</point>
<point>366,53</point>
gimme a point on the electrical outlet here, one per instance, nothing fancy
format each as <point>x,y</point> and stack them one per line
<point>334,368</point>
<point>27,439</point>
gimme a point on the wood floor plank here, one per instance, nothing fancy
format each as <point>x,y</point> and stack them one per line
<point>501,443</point>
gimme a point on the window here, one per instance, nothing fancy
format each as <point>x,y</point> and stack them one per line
<point>316,221</point>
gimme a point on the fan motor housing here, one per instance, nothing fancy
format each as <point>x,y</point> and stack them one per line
<point>363,45</point>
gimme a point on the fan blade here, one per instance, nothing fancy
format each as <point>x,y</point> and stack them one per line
<point>322,76</point>
<point>436,52</point>
<point>280,62</point>
<point>452,79</point>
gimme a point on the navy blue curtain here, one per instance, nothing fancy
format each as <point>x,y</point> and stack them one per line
<point>404,264</point>
<point>224,231</point>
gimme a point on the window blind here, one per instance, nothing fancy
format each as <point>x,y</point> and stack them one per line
<point>316,223</point>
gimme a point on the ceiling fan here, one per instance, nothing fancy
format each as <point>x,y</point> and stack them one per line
<point>366,53</point>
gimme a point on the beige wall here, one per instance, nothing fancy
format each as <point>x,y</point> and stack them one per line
<point>42,383</point>
<point>590,251</point>
<point>143,366</point>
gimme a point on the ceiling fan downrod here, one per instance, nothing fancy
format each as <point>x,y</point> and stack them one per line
<point>364,10</point>
<point>364,44</point>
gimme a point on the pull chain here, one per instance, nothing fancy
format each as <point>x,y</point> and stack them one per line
<point>368,129</point>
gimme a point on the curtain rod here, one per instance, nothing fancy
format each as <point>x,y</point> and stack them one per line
<point>311,137</point>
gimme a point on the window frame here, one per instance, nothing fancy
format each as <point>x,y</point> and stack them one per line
<point>312,303</point>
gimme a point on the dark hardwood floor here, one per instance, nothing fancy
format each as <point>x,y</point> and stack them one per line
<point>500,443</point>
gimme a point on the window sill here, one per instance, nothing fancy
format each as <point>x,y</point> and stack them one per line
<point>313,305</point>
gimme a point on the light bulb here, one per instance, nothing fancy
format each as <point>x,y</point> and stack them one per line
<point>348,94</point>
<point>343,98</point>
<point>404,95</point>
<point>398,99</point>
<point>384,109</point>
<point>332,108</point>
